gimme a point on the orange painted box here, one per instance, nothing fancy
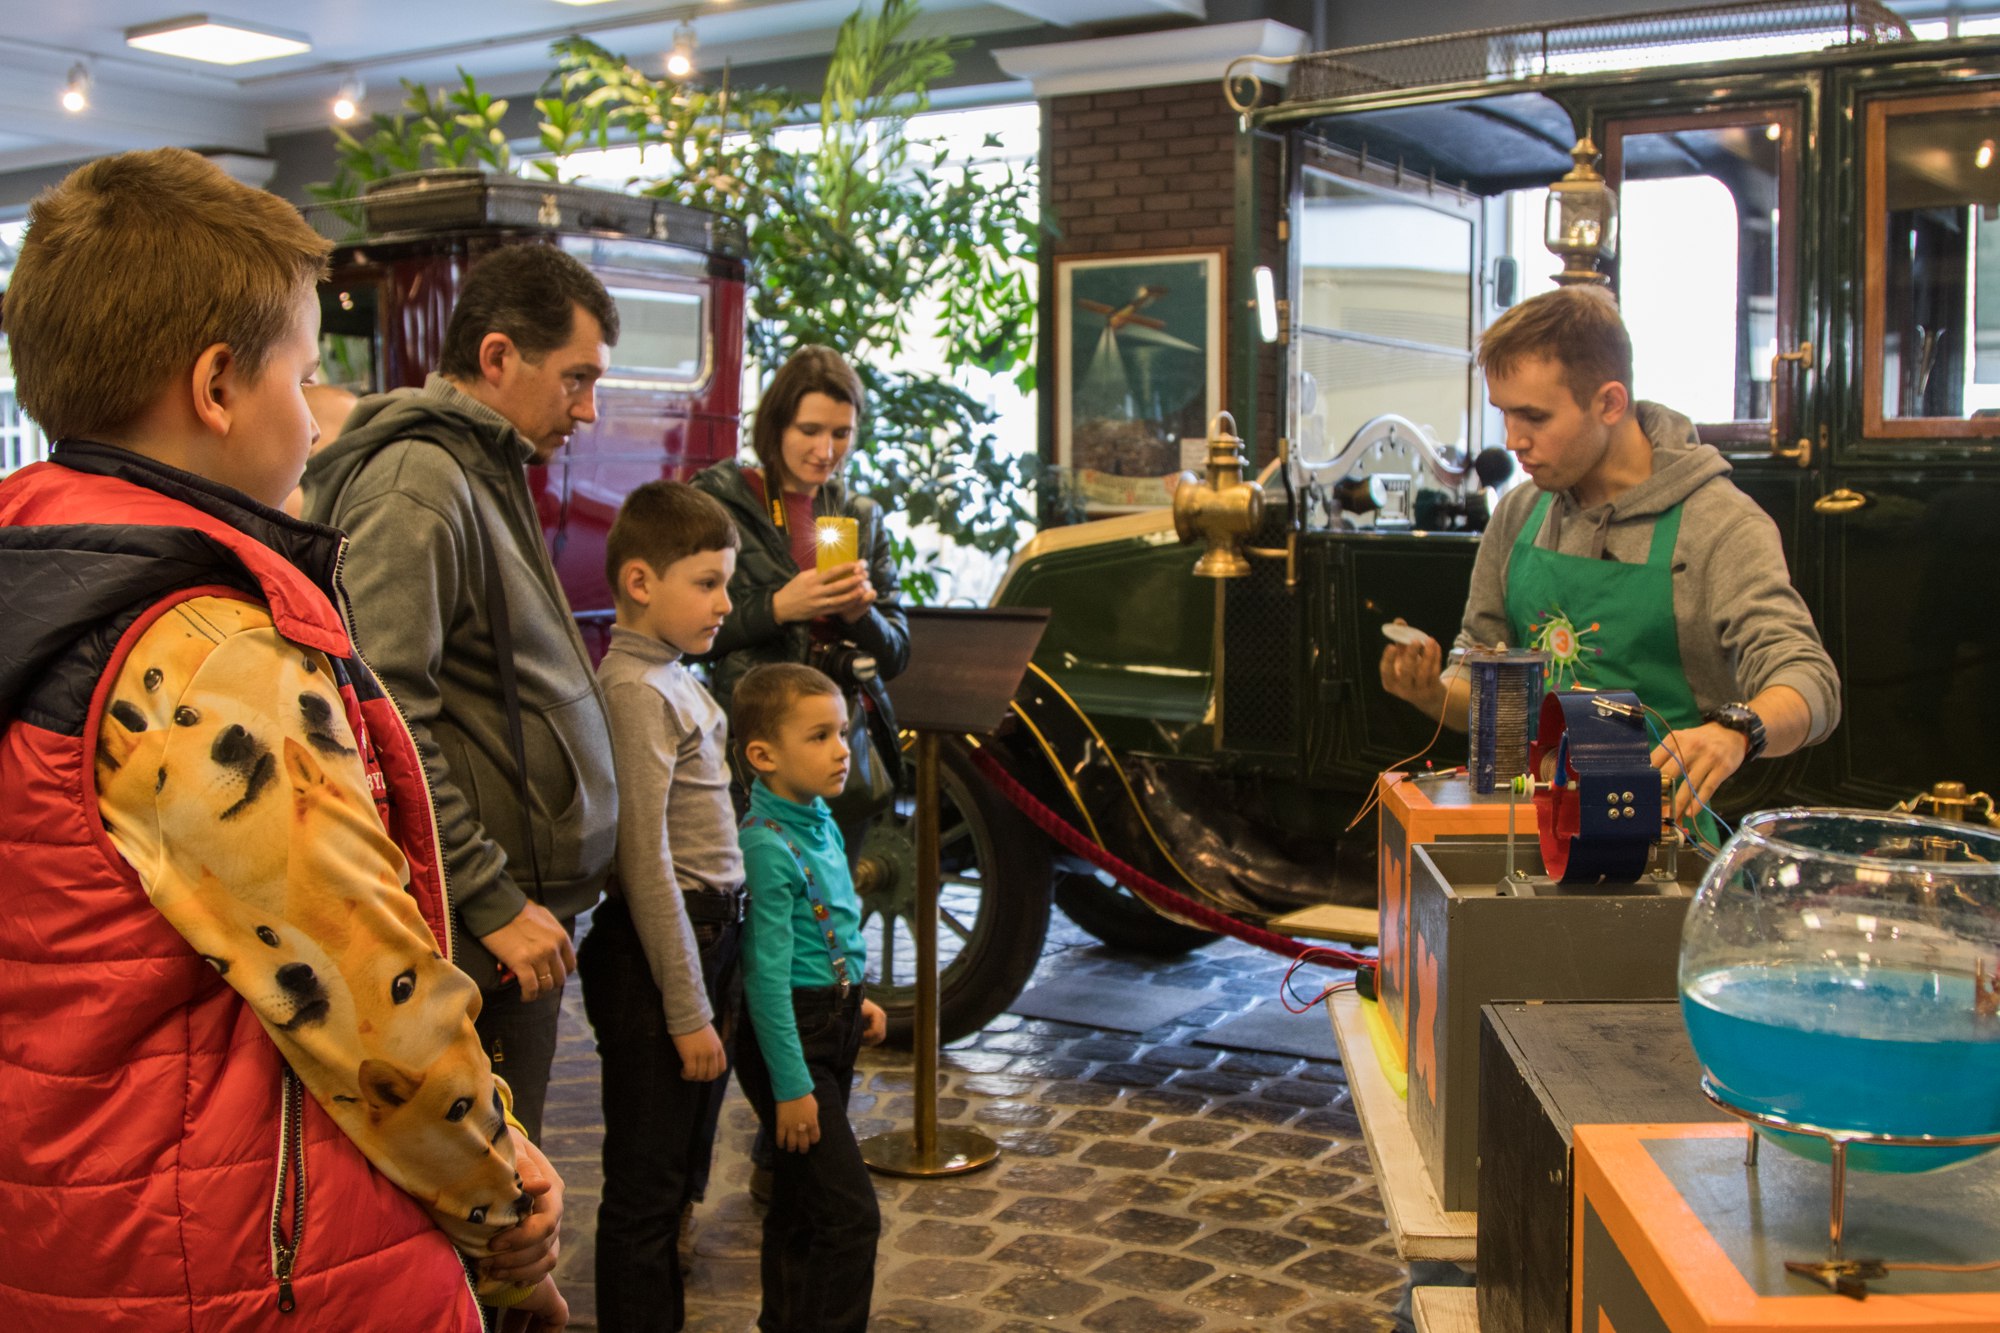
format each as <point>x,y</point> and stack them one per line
<point>1419,809</point>
<point>1675,1233</point>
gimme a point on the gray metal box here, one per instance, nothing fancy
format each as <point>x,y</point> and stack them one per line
<point>1470,945</point>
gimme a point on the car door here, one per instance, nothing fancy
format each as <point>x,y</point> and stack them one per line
<point>1908,521</point>
<point>1716,280</point>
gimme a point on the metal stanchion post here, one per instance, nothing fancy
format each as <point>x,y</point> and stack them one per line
<point>926,1149</point>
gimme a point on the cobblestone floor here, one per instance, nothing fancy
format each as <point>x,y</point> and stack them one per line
<point>1146,1184</point>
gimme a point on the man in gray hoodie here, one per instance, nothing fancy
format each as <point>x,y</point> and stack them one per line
<point>447,564</point>
<point>1632,559</point>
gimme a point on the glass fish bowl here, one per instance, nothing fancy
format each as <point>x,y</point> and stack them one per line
<point>1840,969</point>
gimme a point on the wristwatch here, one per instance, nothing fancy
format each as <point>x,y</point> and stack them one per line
<point>1742,719</point>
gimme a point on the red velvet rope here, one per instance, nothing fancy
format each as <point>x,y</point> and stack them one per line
<point>1148,888</point>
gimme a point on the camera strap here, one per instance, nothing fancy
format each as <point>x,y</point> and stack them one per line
<point>821,916</point>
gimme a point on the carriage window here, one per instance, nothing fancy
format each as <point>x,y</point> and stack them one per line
<point>1701,203</point>
<point>348,315</point>
<point>1932,313</point>
<point>661,342</point>
<point>1385,320</point>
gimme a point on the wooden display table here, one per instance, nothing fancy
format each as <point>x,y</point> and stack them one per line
<point>1445,1310</point>
<point>1418,1223</point>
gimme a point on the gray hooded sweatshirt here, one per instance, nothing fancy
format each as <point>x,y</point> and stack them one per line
<point>415,478</point>
<point>1741,624</point>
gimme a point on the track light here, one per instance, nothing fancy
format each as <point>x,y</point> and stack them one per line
<point>76,91</point>
<point>680,60</point>
<point>347,102</point>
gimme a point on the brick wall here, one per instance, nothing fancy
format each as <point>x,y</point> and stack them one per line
<point>1141,169</point>
<point>1153,169</point>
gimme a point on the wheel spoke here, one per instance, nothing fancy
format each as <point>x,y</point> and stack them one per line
<point>953,924</point>
<point>888,948</point>
<point>948,838</point>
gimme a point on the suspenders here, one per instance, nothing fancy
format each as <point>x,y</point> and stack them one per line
<point>818,905</point>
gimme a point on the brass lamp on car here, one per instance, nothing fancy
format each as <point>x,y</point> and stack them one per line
<point>1580,226</point>
<point>1222,511</point>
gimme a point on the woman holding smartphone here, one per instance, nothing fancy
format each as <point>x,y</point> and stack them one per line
<point>815,581</point>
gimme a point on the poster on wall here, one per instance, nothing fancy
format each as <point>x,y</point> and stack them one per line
<point>1138,371</point>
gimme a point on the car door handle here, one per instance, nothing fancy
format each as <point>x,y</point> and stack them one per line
<point>1842,501</point>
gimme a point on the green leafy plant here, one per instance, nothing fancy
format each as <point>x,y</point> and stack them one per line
<point>850,236</point>
<point>453,127</point>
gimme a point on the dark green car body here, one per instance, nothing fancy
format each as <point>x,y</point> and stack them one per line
<point>1855,208</point>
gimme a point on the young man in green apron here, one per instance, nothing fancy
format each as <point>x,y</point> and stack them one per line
<point>1632,559</point>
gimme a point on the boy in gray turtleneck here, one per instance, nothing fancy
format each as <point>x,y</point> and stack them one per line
<point>659,964</point>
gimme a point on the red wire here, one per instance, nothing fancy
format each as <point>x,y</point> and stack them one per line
<point>1148,888</point>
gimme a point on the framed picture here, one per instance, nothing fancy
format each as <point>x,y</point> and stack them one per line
<point>1138,371</point>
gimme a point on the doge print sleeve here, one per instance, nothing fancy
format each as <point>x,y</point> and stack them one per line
<point>228,776</point>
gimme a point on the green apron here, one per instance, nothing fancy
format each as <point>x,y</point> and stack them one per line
<point>1605,625</point>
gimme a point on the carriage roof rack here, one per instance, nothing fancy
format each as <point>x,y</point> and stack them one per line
<point>1581,46</point>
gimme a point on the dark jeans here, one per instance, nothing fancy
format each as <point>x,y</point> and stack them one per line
<point>659,1128</point>
<point>823,1222</point>
<point>520,1039</point>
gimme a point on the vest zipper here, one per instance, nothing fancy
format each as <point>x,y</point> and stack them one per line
<point>345,611</point>
<point>292,1160</point>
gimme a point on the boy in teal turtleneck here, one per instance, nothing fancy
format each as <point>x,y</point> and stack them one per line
<point>803,958</point>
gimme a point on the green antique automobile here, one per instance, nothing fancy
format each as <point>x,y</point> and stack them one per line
<point>1808,255</point>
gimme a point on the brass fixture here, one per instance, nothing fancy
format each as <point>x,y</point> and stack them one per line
<point>1800,453</point>
<point>1222,511</point>
<point>1839,501</point>
<point>1580,223</point>
<point>1950,800</point>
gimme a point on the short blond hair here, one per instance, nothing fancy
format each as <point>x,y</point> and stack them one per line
<point>135,265</point>
<point>1579,328</point>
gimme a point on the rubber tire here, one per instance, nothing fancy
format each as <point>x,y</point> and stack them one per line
<point>1115,916</point>
<point>1006,944</point>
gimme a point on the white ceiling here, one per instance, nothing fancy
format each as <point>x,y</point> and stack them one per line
<point>141,100</point>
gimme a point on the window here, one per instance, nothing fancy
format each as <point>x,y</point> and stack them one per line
<point>348,315</point>
<point>1703,274</point>
<point>662,339</point>
<point>1931,295</point>
<point>1385,319</point>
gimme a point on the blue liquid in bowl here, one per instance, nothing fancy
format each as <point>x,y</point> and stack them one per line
<point>1886,1050</point>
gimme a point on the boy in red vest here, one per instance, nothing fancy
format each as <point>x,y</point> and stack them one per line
<point>225,952</point>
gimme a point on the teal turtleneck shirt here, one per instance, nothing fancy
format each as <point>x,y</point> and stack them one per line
<point>783,945</point>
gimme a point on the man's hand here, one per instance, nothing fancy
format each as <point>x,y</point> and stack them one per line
<point>527,1251</point>
<point>798,1123</point>
<point>816,592</point>
<point>702,1058</point>
<point>535,948</point>
<point>1411,671</point>
<point>874,1024</point>
<point>545,1309</point>
<point>1711,752</point>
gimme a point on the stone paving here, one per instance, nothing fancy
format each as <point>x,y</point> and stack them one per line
<point>1146,1184</point>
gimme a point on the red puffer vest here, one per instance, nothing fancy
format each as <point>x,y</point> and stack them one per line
<point>141,1104</point>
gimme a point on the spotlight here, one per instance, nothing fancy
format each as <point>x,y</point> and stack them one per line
<point>1984,157</point>
<point>347,102</point>
<point>76,91</point>
<point>680,60</point>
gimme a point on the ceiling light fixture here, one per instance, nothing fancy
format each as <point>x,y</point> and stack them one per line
<point>347,102</point>
<point>76,90</point>
<point>680,60</point>
<point>218,41</point>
